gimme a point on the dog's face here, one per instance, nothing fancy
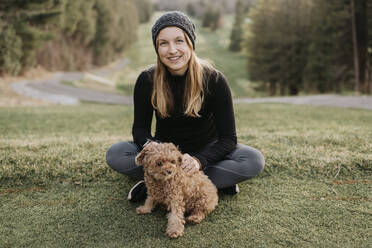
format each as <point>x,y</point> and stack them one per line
<point>160,160</point>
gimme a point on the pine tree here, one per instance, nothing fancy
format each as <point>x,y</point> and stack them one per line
<point>236,37</point>
<point>261,46</point>
<point>306,45</point>
<point>277,45</point>
<point>10,51</point>
<point>330,50</point>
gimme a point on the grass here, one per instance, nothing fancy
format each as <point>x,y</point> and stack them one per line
<point>209,45</point>
<point>57,191</point>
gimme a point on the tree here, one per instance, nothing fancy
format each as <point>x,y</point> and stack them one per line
<point>64,34</point>
<point>277,44</point>
<point>27,18</point>
<point>108,44</point>
<point>330,47</point>
<point>361,31</point>
<point>212,18</point>
<point>236,37</point>
<point>307,45</point>
<point>355,46</point>
<point>10,51</point>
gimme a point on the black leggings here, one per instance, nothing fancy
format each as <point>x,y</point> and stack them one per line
<point>243,163</point>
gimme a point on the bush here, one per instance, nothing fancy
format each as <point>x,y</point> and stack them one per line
<point>10,51</point>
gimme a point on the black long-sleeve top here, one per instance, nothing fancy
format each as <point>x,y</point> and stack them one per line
<point>191,134</point>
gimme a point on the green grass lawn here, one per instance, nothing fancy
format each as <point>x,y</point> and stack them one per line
<point>57,191</point>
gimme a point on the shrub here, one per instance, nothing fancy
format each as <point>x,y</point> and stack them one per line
<point>10,51</point>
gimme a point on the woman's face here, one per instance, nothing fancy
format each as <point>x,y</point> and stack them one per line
<point>173,50</point>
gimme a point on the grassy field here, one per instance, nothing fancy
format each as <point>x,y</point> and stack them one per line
<point>57,191</point>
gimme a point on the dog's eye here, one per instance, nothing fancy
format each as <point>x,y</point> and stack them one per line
<point>159,163</point>
<point>173,161</point>
<point>179,159</point>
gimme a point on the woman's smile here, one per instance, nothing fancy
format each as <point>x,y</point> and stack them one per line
<point>174,59</point>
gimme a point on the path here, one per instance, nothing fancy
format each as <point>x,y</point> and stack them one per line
<point>364,102</point>
<point>54,91</point>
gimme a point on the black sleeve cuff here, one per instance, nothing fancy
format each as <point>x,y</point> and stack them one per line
<point>148,141</point>
<point>202,161</point>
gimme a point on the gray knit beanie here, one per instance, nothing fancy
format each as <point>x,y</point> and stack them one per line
<point>174,18</point>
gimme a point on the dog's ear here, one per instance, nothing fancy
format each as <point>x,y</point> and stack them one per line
<point>140,156</point>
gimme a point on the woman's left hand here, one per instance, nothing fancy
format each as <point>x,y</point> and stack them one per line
<point>189,164</point>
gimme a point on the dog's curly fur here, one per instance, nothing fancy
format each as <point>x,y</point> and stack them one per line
<point>168,184</point>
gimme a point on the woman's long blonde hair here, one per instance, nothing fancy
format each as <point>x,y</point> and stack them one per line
<point>162,98</point>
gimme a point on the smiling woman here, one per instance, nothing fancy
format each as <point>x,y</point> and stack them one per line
<point>193,109</point>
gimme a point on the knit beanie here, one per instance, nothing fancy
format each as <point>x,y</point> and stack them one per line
<point>177,19</point>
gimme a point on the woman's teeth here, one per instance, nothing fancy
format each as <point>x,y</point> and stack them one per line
<point>174,58</point>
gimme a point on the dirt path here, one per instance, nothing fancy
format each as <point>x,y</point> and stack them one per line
<point>364,102</point>
<point>53,90</point>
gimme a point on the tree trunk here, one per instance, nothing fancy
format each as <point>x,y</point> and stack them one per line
<point>272,88</point>
<point>369,80</point>
<point>293,89</point>
<point>362,39</point>
<point>355,46</point>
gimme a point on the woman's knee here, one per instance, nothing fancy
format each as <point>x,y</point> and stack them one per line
<point>252,160</point>
<point>113,152</point>
<point>119,151</point>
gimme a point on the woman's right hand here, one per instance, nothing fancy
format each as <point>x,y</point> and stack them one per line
<point>189,164</point>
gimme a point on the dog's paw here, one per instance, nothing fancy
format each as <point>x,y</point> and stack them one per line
<point>143,210</point>
<point>194,219</point>
<point>175,233</point>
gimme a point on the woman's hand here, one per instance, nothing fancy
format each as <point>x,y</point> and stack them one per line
<point>189,164</point>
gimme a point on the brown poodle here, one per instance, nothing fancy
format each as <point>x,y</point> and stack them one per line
<point>168,184</point>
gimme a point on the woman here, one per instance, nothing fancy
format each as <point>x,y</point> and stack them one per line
<point>193,108</point>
